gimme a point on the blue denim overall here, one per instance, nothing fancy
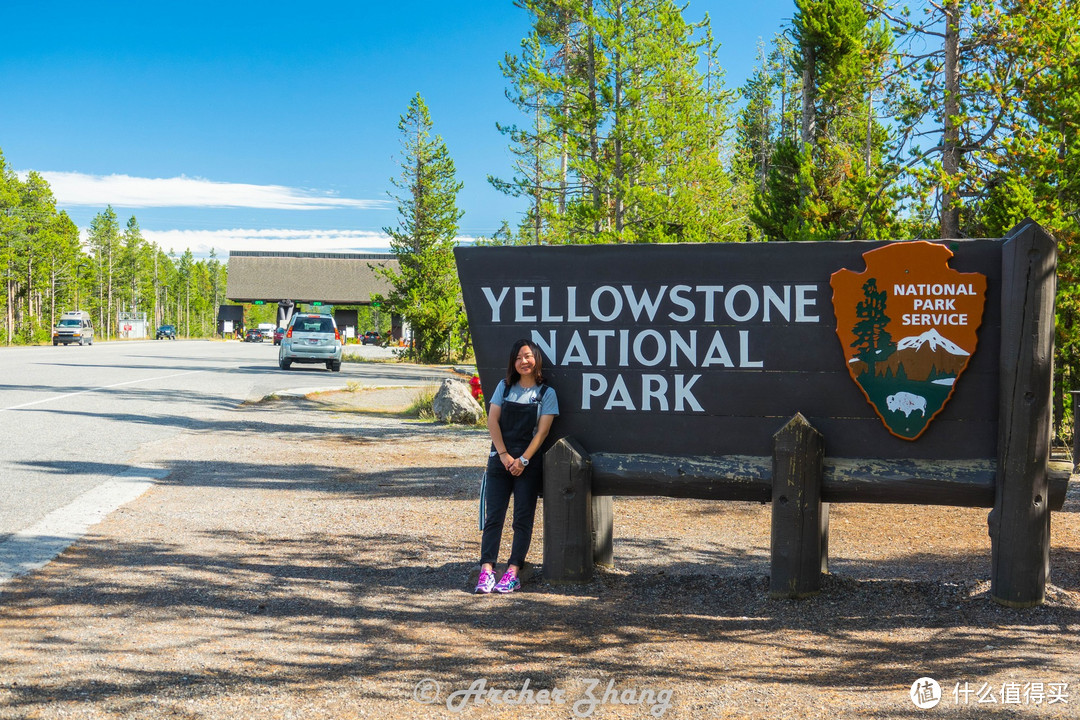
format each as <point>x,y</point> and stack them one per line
<point>518,422</point>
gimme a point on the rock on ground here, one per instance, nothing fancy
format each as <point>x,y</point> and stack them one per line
<point>454,403</point>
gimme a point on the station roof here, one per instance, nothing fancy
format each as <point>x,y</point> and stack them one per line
<point>330,278</point>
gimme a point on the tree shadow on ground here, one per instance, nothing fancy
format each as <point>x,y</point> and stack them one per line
<point>295,609</point>
<point>249,419</point>
<point>218,608</point>
<point>451,481</point>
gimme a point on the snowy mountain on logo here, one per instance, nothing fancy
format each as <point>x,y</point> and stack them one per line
<point>918,357</point>
<point>921,356</point>
<point>935,339</point>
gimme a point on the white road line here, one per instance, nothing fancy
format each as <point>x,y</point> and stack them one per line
<point>34,547</point>
<point>103,387</point>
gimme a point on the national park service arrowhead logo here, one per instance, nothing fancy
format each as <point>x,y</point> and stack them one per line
<point>908,326</point>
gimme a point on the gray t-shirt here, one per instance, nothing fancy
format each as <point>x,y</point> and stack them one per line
<point>518,394</point>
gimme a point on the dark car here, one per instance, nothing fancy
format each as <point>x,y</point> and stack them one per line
<point>278,334</point>
<point>371,338</point>
<point>166,331</point>
<point>254,335</point>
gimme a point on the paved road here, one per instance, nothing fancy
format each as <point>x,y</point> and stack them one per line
<point>72,415</point>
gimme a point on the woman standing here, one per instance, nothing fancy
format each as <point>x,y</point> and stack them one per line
<point>519,418</point>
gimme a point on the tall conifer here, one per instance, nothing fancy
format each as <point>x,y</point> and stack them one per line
<point>426,292</point>
<point>632,128</point>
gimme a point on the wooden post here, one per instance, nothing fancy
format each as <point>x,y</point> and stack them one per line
<point>1020,520</point>
<point>1075,428</point>
<point>568,514</point>
<point>797,522</point>
<point>824,535</point>
<point>603,518</point>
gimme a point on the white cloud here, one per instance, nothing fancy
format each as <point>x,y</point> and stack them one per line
<point>224,241</point>
<point>73,188</point>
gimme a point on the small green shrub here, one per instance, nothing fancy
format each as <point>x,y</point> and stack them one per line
<point>422,406</point>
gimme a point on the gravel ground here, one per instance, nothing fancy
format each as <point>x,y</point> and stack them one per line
<point>314,561</point>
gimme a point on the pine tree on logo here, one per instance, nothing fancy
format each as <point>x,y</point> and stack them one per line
<point>872,341</point>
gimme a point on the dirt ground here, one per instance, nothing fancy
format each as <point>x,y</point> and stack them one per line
<point>311,558</point>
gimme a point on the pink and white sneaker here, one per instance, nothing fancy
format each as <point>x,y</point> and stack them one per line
<point>509,583</point>
<point>486,582</point>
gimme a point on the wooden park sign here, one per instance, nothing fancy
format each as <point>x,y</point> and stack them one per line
<point>793,373</point>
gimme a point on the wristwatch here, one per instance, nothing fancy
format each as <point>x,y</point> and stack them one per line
<point>524,461</point>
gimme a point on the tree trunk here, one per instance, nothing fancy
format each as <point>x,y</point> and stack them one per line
<point>52,295</point>
<point>809,118</point>
<point>869,132</point>
<point>9,317</point>
<point>950,156</point>
<point>620,120</point>
<point>763,130</point>
<point>564,158</point>
<point>594,113</point>
<point>157,291</point>
<point>783,102</point>
<point>30,296</point>
<point>538,177</point>
<point>101,300</point>
<point>109,318</point>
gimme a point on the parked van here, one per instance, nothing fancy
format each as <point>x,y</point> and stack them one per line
<point>75,326</point>
<point>267,329</point>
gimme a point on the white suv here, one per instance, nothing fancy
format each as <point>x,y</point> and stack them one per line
<point>311,338</point>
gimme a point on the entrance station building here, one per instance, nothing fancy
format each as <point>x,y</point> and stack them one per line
<point>290,279</point>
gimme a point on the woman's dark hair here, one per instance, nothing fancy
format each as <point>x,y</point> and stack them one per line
<point>512,375</point>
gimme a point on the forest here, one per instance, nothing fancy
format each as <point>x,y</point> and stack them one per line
<point>862,120</point>
<point>49,267</point>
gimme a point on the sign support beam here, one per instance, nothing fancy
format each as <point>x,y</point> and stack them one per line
<point>1020,520</point>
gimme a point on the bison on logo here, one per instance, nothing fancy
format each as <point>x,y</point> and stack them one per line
<point>907,325</point>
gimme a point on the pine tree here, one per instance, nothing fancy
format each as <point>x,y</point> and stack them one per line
<point>1037,171</point>
<point>426,291</point>
<point>217,284</point>
<point>104,239</point>
<point>756,128</point>
<point>61,256</point>
<point>626,142</point>
<point>185,270</point>
<point>538,166</point>
<point>964,97</point>
<point>9,224</point>
<point>826,176</point>
<point>777,201</point>
<point>767,159</point>
<point>37,208</point>
<point>131,243</point>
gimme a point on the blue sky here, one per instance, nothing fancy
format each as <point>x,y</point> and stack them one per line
<point>272,125</point>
